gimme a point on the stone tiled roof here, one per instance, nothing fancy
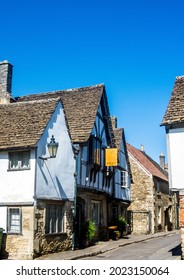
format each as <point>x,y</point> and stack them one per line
<point>148,163</point>
<point>22,123</point>
<point>80,107</point>
<point>119,136</point>
<point>175,110</point>
<point>118,133</point>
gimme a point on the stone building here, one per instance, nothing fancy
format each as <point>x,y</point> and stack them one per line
<point>45,199</point>
<point>151,203</point>
<point>173,121</point>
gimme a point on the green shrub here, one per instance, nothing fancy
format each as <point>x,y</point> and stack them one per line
<point>88,230</point>
<point>121,223</point>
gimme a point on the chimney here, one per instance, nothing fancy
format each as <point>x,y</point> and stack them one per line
<point>114,122</point>
<point>162,161</point>
<point>142,148</point>
<point>5,81</point>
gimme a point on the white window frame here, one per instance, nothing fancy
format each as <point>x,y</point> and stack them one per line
<point>14,220</point>
<point>19,159</point>
<point>54,218</point>
<point>124,178</point>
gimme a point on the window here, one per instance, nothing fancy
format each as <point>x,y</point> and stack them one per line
<point>19,160</point>
<point>14,220</point>
<point>54,218</point>
<point>94,150</point>
<point>96,212</point>
<point>124,179</point>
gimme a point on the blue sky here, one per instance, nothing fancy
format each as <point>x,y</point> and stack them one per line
<point>134,47</point>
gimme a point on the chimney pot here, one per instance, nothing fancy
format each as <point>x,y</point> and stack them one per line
<point>162,161</point>
<point>142,148</point>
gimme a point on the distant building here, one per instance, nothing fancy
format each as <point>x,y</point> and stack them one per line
<point>151,206</point>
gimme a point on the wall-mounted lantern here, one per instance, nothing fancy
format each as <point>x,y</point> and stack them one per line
<point>52,148</point>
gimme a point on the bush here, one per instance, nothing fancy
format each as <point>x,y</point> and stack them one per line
<point>121,224</point>
<point>88,230</point>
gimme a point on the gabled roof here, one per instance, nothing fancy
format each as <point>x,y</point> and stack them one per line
<point>119,137</point>
<point>175,109</point>
<point>80,108</point>
<point>148,163</point>
<point>22,124</point>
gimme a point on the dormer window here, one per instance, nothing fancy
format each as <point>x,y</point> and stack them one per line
<point>19,160</point>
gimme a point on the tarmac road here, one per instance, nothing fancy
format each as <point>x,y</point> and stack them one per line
<point>162,248</point>
<point>129,247</point>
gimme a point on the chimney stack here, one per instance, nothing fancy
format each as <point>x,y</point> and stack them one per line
<point>142,148</point>
<point>162,161</point>
<point>114,122</point>
<point>5,81</point>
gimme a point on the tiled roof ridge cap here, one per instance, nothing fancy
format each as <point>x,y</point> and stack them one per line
<point>151,161</point>
<point>62,90</point>
<point>179,77</point>
<point>30,102</point>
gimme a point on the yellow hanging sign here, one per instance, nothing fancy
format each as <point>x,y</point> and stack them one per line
<point>111,157</point>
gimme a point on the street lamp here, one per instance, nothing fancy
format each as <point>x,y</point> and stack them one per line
<point>52,148</point>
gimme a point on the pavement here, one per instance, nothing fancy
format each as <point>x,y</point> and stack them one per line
<point>103,246</point>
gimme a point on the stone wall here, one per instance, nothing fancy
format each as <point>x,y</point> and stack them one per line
<point>49,243</point>
<point>142,202</point>
<point>5,81</point>
<point>151,206</point>
<point>21,246</point>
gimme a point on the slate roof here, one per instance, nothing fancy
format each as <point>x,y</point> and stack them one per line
<point>175,109</point>
<point>148,163</point>
<point>22,124</point>
<point>80,108</point>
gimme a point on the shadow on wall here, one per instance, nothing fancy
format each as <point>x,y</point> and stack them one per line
<point>55,183</point>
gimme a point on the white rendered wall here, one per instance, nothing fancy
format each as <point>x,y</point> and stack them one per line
<point>16,186</point>
<point>175,150</point>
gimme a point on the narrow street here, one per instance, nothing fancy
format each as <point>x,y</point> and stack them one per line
<point>161,248</point>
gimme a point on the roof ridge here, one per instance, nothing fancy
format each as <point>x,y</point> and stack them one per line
<point>61,90</point>
<point>147,165</point>
<point>30,102</point>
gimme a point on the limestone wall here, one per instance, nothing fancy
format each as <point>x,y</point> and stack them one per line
<point>21,246</point>
<point>48,243</point>
<point>142,203</point>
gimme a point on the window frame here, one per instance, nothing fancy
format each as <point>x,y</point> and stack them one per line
<point>9,221</point>
<point>54,225</point>
<point>124,178</point>
<point>96,205</point>
<point>95,150</point>
<point>20,160</point>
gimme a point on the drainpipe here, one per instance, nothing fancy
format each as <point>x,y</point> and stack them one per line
<point>76,152</point>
